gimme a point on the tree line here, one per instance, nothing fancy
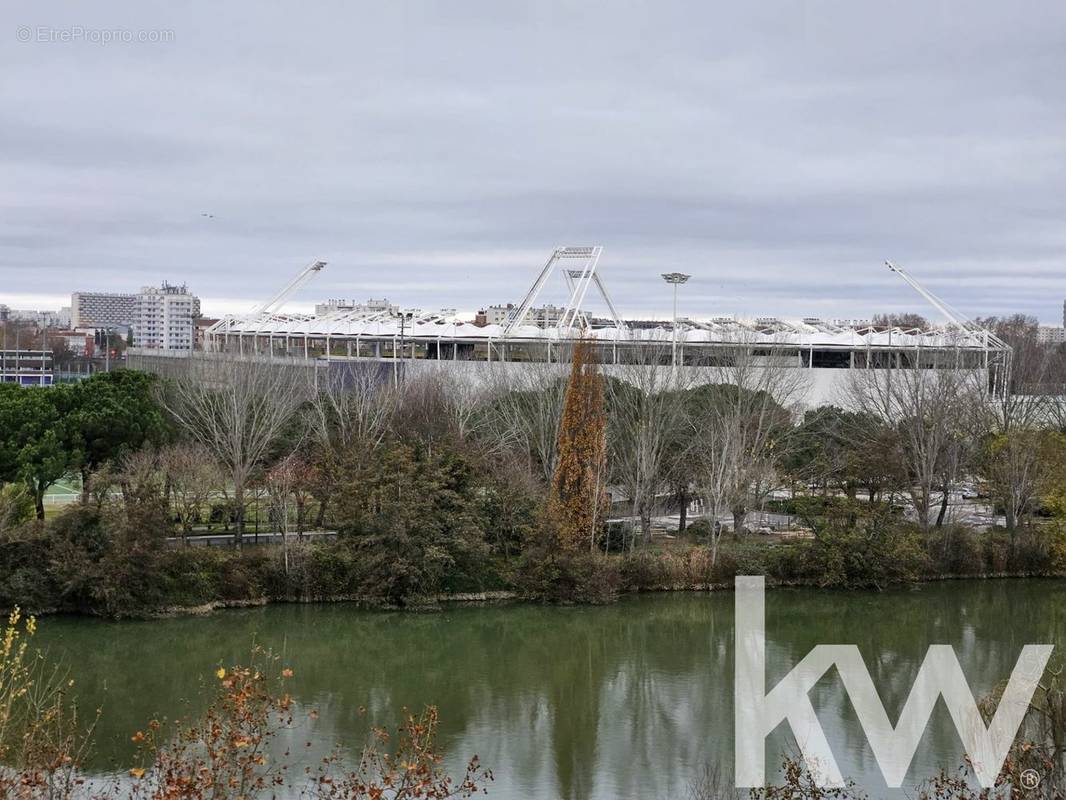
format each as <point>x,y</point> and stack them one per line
<point>546,479</point>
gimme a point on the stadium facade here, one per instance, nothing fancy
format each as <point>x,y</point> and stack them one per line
<point>413,340</point>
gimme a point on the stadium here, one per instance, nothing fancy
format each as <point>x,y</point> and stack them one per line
<point>413,340</point>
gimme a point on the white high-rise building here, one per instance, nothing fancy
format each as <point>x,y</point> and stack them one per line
<point>164,317</point>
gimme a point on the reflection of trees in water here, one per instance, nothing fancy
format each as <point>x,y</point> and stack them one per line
<point>987,622</point>
<point>570,702</point>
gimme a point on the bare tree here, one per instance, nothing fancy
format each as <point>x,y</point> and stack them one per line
<point>935,415</point>
<point>238,410</point>
<point>352,413</point>
<point>716,443</point>
<point>353,408</point>
<point>283,482</point>
<point>140,477</point>
<point>463,398</point>
<point>905,320</point>
<point>524,405</point>
<point>440,403</point>
<point>645,416</point>
<point>193,477</point>
<point>1016,419</point>
<point>740,425</point>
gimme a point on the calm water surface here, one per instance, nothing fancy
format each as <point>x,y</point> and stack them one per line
<point>624,701</point>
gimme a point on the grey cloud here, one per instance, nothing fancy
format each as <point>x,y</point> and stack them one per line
<point>436,152</point>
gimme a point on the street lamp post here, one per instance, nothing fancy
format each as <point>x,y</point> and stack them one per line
<point>675,278</point>
<point>405,317</point>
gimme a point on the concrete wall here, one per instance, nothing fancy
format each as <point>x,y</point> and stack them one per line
<point>814,386</point>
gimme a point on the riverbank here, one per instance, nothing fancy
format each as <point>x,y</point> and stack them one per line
<point>39,576</point>
<point>441,602</point>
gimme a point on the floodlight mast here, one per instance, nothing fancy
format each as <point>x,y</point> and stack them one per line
<point>676,279</point>
<point>264,310</point>
<point>274,303</point>
<point>966,326</point>
<point>957,319</point>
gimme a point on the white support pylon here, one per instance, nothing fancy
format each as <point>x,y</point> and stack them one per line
<point>577,281</point>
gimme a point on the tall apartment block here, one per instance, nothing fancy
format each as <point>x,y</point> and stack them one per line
<point>164,317</point>
<point>160,317</point>
<point>101,310</point>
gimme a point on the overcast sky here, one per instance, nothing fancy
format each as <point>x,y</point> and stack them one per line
<point>435,152</point>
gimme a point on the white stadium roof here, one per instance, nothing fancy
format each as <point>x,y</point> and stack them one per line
<point>755,332</point>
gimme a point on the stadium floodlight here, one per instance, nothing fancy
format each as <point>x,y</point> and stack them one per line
<point>675,278</point>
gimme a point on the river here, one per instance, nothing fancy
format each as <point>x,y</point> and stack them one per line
<point>624,701</point>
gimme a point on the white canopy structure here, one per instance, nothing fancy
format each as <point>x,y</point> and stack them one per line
<point>267,326</point>
<point>406,338</point>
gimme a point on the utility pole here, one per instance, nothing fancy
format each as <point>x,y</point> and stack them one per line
<point>405,317</point>
<point>676,279</point>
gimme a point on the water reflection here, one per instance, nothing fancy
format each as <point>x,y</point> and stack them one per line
<point>623,701</point>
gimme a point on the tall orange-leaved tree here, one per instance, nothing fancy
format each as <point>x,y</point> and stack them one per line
<point>578,499</point>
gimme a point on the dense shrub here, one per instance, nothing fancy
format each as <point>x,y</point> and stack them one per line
<point>643,571</point>
<point>964,551</point>
<point>318,571</point>
<point>24,578</point>
<point>411,518</point>
<point>569,578</point>
<point>955,550</point>
<point>1057,549</point>
<point>837,559</point>
<point>1030,550</point>
<point>192,576</point>
<point>855,560</point>
<point>674,569</point>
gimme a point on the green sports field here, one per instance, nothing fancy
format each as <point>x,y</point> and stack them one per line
<point>64,491</point>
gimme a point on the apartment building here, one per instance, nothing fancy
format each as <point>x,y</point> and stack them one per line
<point>101,310</point>
<point>547,316</point>
<point>164,317</point>
<point>1051,334</point>
<point>371,306</point>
